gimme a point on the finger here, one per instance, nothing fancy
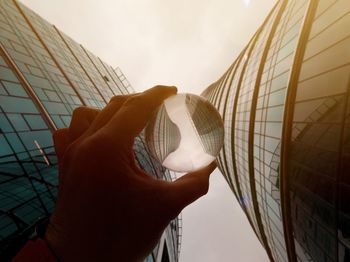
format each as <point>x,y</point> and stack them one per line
<point>82,119</point>
<point>189,187</point>
<point>108,112</point>
<point>135,113</point>
<point>61,141</point>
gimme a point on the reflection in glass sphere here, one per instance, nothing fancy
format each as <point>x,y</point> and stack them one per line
<point>186,133</point>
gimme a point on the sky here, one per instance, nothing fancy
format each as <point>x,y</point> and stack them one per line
<point>187,43</point>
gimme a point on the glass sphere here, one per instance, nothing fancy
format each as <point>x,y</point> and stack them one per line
<point>186,133</point>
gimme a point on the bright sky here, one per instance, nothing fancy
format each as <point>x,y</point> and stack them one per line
<point>187,43</point>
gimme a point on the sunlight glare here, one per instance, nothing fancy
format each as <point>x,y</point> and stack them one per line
<point>247,2</point>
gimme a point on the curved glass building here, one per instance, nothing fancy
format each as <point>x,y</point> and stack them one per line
<point>44,76</point>
<point>285,104</point>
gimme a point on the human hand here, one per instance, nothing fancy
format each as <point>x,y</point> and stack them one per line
<point>107,208</point>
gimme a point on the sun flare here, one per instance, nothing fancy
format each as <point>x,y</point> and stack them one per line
<point>247,2</point>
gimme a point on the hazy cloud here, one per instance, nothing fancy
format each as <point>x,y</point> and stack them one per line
<point>216,229</point>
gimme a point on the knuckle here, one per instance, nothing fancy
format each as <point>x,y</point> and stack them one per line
<point>116,99</point>
<point>83,115</point>
<point>159,86</point>
<point>79,110</point>
<point>134,100</point>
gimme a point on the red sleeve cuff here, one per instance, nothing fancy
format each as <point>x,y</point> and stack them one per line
<point>37,250</point>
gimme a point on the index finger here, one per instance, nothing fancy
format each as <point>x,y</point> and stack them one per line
<point>133,116</point>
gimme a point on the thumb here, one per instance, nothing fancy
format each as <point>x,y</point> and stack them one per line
<point>190,187</point>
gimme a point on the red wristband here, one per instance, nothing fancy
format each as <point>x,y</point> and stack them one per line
<point>37,250</point>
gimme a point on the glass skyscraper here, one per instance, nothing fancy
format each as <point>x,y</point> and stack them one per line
<point>285,105</point>
<point>44,76</point>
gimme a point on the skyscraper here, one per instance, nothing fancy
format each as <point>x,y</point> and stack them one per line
<point>44,76</point>
<point>285,105</point>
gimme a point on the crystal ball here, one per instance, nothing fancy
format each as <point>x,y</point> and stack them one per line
<point>186,133</point>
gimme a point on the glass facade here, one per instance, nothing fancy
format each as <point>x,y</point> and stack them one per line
<point>163,130</point>
<point>44,76</point>
<point>285,105</point>
<point>207,124</point>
